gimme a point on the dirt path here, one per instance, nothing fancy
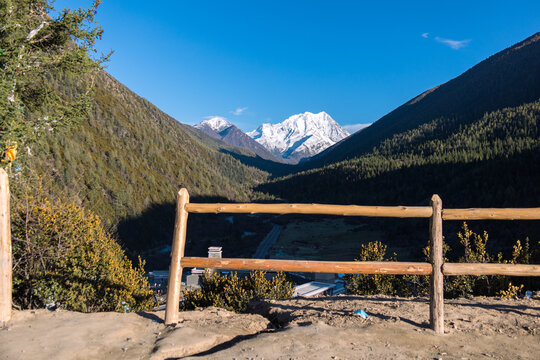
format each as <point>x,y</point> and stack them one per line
<point>323,328</point>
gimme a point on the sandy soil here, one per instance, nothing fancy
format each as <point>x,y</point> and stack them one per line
<point>321,328</point>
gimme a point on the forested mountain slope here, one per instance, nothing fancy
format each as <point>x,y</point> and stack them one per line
<point>493,161</point>
<point>129,155</point>
<point>507,79</point>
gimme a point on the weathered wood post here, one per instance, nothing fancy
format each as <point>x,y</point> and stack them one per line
<point>436,304</point>
<point>5,250</point>
<point>177,253</point>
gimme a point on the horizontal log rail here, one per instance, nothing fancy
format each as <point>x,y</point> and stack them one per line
<point>491,214</point>
<point>337,267</point>
<point>491,269</point>
<point>316,209</point>
<point>371,211</point>
<point>362,267</point>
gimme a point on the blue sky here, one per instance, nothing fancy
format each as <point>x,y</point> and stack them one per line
<point>262,61</point>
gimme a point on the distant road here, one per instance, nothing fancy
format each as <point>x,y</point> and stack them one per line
<point>267,243</point>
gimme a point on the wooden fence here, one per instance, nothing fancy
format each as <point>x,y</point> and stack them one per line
<point>435,267</point>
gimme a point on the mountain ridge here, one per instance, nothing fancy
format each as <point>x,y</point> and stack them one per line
<point>219,128</point>
<point>300,136</point>
<point>499,81</point>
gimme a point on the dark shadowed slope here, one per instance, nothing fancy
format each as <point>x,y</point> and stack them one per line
<point>506,79</point>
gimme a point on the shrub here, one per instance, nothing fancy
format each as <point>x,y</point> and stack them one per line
<point>362,284</point>
<point>474,251</point>
<point>234,293</point>
<point>62,255</point>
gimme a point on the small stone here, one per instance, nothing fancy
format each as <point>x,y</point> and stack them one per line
<point>124,349</point>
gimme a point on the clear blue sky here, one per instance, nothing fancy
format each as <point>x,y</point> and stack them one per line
<point>355,60</point>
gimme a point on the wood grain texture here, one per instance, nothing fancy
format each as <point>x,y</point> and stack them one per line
<point>491,269</point>
<point>492,214</point>
<point>175,270</point>
<point>337,267</point>
<point>5,250</point>
<point>436,303</point>
<point>344,210</point>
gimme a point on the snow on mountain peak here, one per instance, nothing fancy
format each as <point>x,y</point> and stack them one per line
<point>216,123</point>
<point>300,136</point>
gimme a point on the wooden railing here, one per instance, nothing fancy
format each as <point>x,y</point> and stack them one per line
<point>435,267</point>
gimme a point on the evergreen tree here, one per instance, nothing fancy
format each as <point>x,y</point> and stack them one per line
<point>40,48</point>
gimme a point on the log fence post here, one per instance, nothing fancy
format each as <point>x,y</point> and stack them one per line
<point>436,303</point>
<point>177,253</point>
<point>5,251</point>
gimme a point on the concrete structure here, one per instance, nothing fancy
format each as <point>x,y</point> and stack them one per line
<point>316,289</point>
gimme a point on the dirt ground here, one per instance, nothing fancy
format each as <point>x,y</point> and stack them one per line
<point>303,328</point>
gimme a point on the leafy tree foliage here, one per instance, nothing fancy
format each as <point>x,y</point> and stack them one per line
<point>37,44</point>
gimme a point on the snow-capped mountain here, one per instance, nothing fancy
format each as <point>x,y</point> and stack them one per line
<point>216,124</point>
<point>300,136</point>
<point>219,128</point>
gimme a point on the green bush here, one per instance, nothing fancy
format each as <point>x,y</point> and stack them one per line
<point>362,284</point>
<point>234,293</point>
<point>63,256</point>
<point>474,251</point>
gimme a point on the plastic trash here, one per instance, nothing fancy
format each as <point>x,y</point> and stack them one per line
<point>126,307</point>
<point>361,313</point>
<point>528,294</point>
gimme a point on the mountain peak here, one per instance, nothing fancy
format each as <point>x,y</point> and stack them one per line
<point>216,123</point>
<point>300,136</point>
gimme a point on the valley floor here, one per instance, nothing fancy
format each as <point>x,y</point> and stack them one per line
<point>319,328</point>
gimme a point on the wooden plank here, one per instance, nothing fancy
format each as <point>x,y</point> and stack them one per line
<point>436,303</point>
<point>175,270</point>
<point>5,250</point>
<point>323,209</point>
<point>492,214</point>
<point>338,267</point>
<point>491,269</point>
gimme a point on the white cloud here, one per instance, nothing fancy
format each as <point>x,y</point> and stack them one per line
<point>425,35</point>
<point>355,127</point>
<point>239,111</point>
<point>454,44</point>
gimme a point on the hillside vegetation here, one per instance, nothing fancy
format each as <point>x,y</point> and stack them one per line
<point>129,155</point>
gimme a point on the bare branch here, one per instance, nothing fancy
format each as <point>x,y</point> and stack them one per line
<point>36,30</point>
